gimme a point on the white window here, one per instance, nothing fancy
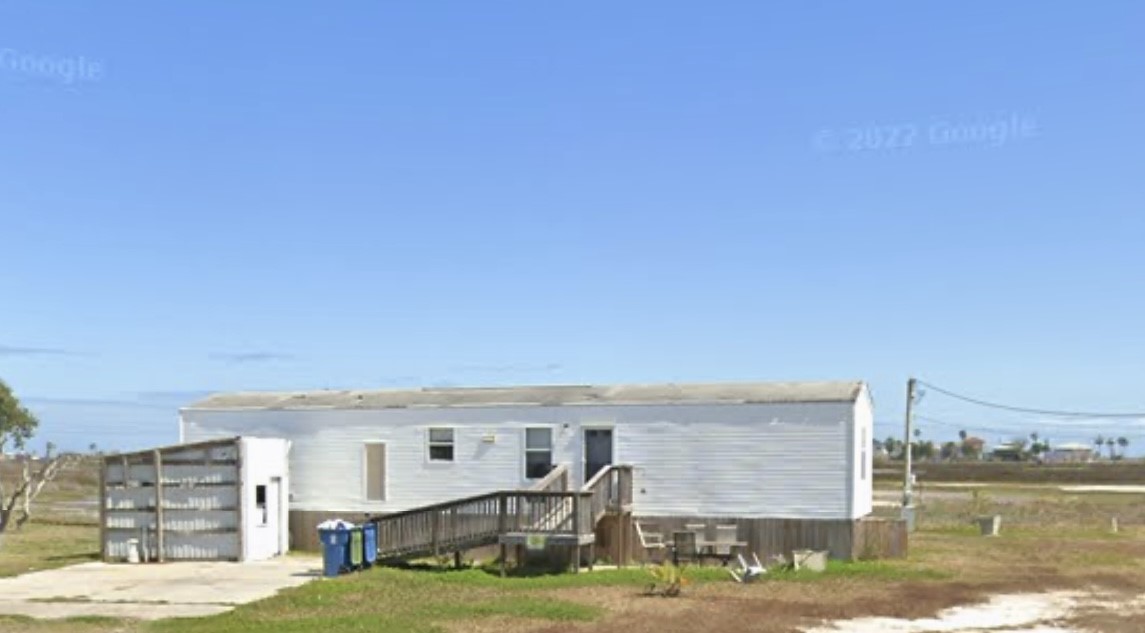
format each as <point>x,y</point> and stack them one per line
<point>374,471</point>
<point>440,444</point>
<point>538,452</point>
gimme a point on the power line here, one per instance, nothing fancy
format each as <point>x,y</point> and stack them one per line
<point>1016,430</point>
<point>1007,407</point>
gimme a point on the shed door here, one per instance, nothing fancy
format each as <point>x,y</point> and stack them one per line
<point>597,451</point>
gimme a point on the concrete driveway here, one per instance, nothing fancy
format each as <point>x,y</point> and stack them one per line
<point>151,592</point>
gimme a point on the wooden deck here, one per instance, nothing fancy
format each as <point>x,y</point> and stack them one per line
<point>548,513</point>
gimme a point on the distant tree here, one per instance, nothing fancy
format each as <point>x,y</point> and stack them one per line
<point>962,435</point>
<point>93,449</point>
<point>892,446</point>
<point>971,447</point>
<point>923,450</point>
<point>1039,448</point>
<point>1123,442</point>
<point>949,451</point>
<point>1099,441</point>
<point>1110,443</point>
<point>17,426</point>
<point>928,450</point>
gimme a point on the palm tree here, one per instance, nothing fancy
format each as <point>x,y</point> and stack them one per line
<point>1123,442</point>
<point>962,435</point>
<point>1099,441</point>
<point>1110,442</point>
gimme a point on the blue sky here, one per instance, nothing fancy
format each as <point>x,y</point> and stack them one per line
<point>216,196</point>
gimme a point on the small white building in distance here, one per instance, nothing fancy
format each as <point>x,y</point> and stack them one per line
<point>1069,453</point>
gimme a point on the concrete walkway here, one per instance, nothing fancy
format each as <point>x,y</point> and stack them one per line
<point>151,592</point>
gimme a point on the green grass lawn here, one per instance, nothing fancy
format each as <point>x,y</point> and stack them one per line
<point>1049,539</point>
<point>425,600</point>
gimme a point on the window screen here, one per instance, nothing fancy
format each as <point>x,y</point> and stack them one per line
<point>441,445</point>
<point>538,452</point>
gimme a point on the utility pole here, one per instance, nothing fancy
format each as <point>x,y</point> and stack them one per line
<point>907,484</point>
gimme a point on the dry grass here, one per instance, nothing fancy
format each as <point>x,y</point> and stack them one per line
<point>1049,541</point>
<point>64,527</point>
<point>1103,472</point>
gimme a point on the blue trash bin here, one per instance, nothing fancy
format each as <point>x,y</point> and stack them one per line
<point>334,545</point>
<point>370,538</point>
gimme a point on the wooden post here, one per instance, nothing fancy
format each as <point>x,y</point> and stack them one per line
<point>104,497</point>
<point>158,458</point>
<point>457,559</point>
<point>434,527</point>
<point>238,444</point>
<point>618,550</point>
<point>502,525</point>
<point>576,516</point>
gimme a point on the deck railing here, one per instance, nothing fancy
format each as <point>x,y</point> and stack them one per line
<point>556,481</point>
<point>440,527</point>
<point>610,490</point>
<point>475,521</point>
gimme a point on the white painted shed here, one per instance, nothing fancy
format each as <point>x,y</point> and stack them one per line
<point>222,499</point>
<point>794,450</point>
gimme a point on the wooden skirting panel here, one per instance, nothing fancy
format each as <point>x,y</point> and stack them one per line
<point>880,538</point>
<point>867,538</point>
<point>844,539</point>
<point>304,527</point>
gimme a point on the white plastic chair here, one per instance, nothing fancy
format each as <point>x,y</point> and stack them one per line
<point>748,573</point>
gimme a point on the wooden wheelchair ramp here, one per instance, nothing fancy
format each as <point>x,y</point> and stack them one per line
<point>548,512</point>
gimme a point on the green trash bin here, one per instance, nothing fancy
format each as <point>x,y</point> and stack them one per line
<point>357,553</point>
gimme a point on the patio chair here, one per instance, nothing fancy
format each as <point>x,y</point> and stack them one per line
<point>748,573</point>
<point>725,541</point>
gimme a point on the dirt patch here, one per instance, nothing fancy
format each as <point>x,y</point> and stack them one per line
<point>766,606</point>
<point>501,625</point>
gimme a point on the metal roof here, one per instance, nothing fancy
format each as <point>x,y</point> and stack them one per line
<point>760,392</point>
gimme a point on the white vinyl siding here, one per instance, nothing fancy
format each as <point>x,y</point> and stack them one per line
<point>862,482</point>
<point>784,460</point>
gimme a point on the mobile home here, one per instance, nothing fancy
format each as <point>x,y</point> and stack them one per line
<point>791,452</point>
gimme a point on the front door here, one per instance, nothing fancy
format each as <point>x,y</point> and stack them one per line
<point>597,451</point>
